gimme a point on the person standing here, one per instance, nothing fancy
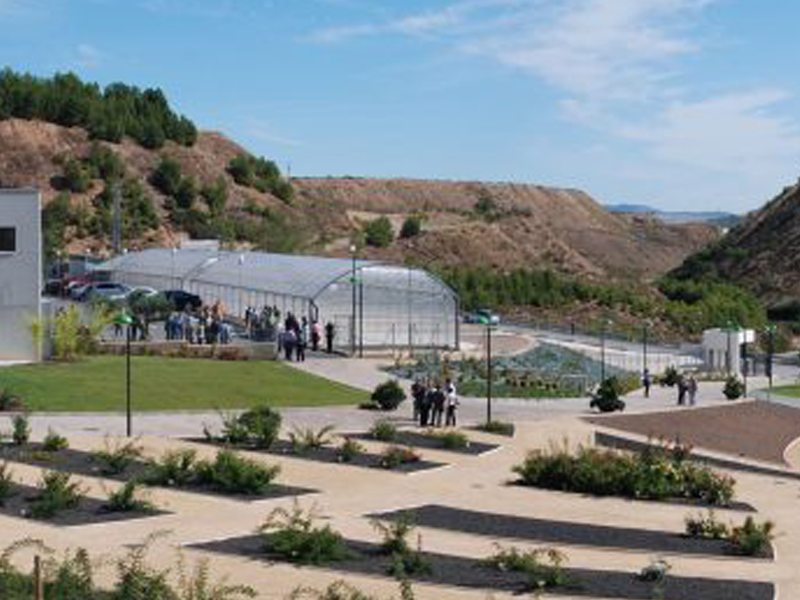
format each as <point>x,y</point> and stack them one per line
<point>315,336</point>
<point>330,333</point>
<point>646,382</point>
<point>681,389</point>
<point>451,404</point>
<point>426,404</point>
<point>438,405</point>
<point>692,389</point>
<point>301,343</point>
<point>418,392</point>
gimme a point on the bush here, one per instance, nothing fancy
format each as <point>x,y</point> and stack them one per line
<point>706,527</point>
<point>305,440</point>
<point>10,401</point>
<point>117,456</point>
<point>405,560</point>
<point>384,431</point>
<point>389,395</point>
<point>21,430</point>
<point>670,377</point>
<point>176,468</point>
<point>654,475</point>
<point>6,483</point>
<point>497,427</point>
<point>753,539</point>
<point>54,442</point>
<point>412,227</point>
<point>395,456</point>
<point>734,388</point>
<point>128,498</point>
<point>451,440</point>
<point>348,449</point>
<point>543,566</point>
<point>263,425</point>
<point>291,534</point>
<point>606,398</point>
<point>379,233</point>
<point>230,473</point>
<point>56,493</point>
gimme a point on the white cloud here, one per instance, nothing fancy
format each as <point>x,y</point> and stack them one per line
<point>88,57</point>
<point>262,131</point>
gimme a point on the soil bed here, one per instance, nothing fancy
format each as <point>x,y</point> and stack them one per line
<point>622,443</point>
<point>79,462</point>
<point>420,440</point>
<point>560,532</point>
<point>329,454</point>
<point>89,511</point>
<point>471,573</point>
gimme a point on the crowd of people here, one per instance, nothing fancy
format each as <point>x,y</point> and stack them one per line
<point>203,326</point>
<point>295,336</point>
<point>686,386</point>
<point>435,403</point>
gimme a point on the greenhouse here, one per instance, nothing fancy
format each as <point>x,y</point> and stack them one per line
<point>372,304</point>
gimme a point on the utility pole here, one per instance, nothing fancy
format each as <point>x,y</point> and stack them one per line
<point>116,222</point>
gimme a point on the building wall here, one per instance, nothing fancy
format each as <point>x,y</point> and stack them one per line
<point>20,274</point>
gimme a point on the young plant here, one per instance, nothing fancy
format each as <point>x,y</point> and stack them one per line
<point>349,449</point>
<point>21,430</point>
<point>129,498</point>
<point>305,440</point>
<point>497,427</point>
<point>388,395</point>
<point>262,424</point>
<point>56,493</point>
<point>753,539</point>
<point>175,468</point>
<point>230,473</point>
<point>339,590</point>
<point>10,401</point>
<point>396,456</point>
<point>451,440</point>
<point>233,431</point>
<point>384,431</point>
<point>54,442</point>
<point>405,560</point>
<point>198,585</point>
<point>656,574</point>
<point>543,566</point>
<point>6,483</point>
<point>292,535</point>
<point>117,455</point>
<point>707,526</point>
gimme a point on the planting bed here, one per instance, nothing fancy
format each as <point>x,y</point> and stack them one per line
<point>473,573</point>
<point>84,463</point>
<point>329,454</point>
<point>420,440</point>
<point>622,443</point>
<point>89,511</point>
<point>559,532</point>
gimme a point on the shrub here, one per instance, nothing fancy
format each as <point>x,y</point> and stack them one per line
<point>606,398</point>
<point>54,442</point>
<point>6,483</point>
<point>56,493</point>
<point>10,401</point>
<point>384,431</point>
<point>349,449</point>
<point>263,424</point>
<point>734,388</point>
<point>176,468</point>
<point>497,427</point>
<point>234,431</point>
<point>338,590</point>
<point>706,527</point>
<point>389,395</point>
<point>395,456</point>
<point>451,440</point>
<point>21,430</point>
<point>230,473</point>
<point>670,377</point>
<point>412,227</point>
<point>129,498</point>
<point>543,566</point>
<point>655,572</point>
<point>379,233</point>
<point>291,534</point>
<point>305,440</point>
<point>753,539</point>
<point>369,406</point>
<point>405,560</point>
<point>117,456</point>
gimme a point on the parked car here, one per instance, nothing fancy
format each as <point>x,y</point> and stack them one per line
<point>114,292</point>
<point>181,299</point>
<point>482,316</point>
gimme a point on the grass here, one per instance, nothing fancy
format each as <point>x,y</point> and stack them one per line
<point>98,384</point>
<point>787,391</point>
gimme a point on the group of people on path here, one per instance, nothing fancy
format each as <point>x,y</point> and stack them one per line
<point>295,336</point>
<point>434,403</point>
<point>686,385</point>
<point>203,326</point>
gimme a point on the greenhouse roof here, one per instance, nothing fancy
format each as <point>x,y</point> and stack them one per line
<point>291,275</point>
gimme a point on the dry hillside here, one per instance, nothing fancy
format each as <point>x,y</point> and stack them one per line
<point>532,226</point>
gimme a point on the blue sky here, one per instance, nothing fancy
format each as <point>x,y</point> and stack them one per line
<point>681,104</point>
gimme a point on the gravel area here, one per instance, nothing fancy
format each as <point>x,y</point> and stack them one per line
<point>756,430</point>
<point>559,532</point>
<point>622,443</point>
<point>428,442</point>
<point>474,573</point>
<point>89,511</point>
<point>83,463</point>
<point>329,454</point>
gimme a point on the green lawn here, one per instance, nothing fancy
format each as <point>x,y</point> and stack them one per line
<point>98,384</point>
<point>787,391</point>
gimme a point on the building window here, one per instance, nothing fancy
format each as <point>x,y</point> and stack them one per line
<point>8,239</point>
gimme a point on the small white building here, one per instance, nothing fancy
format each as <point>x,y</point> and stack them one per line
<point>20,273</point>
<point>722,348</point>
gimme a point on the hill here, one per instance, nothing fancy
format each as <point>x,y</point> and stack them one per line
<point>722,219</point>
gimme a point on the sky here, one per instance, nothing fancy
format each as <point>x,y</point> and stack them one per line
<point>678,104</point>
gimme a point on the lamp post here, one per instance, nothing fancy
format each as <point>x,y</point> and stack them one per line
<point>353,250</point>
<point>125,319</point>
<point>645,331</point>
<point>603,351</point>
<point>770,331</point>
<point>489,369</point>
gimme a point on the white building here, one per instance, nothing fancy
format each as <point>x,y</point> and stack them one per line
<point>722,348</point>
<point>20,272</point>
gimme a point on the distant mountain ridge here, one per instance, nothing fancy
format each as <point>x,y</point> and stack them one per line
<point>720,218</point>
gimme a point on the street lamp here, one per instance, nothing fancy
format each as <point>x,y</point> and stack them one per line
<point>353,250</point>
<point>770,331</point>
<point>603,350</point>
<point>125,319</point>
<point>489,367</point>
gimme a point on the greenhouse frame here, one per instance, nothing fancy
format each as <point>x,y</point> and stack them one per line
<point>372,304</point>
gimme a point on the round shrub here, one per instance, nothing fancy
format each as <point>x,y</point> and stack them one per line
<point>734,388</point>
<point>389,395</point>
<point>606,398</point>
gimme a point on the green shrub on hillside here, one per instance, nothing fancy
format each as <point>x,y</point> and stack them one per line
<point>379,233</point>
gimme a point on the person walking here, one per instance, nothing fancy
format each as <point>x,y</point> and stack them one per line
<point>681,389</point>
<point>691,386</point>
<point>300,345</point>
<point>646,382</point>
<point>330,333</point>
<point>289,342</point>
<point>451,404</point>
<point>315,336</point>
